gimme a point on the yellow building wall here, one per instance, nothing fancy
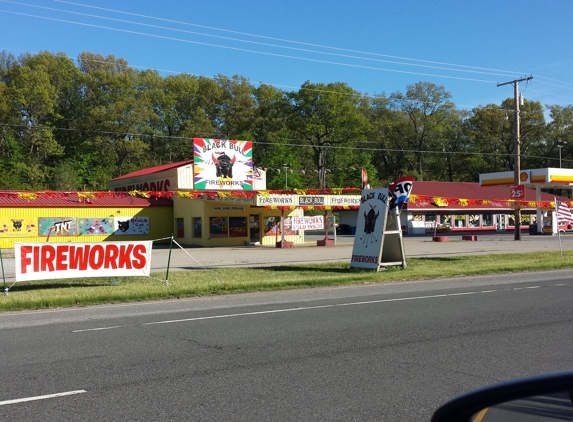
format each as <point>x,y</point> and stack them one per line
<point>188,210</point>
<point>21,224</point>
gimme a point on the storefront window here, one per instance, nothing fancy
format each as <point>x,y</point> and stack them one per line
<point>430,223</point>
<point>511,220</point>
<point>487,220</point>
<point>272,226</point>
<point>218,226</point>
<point>197,227</point>
<point>473,220</point>
<point>525,218</point>
<point>417,217</point>
<point>447,219</point>
<point>238,226</point>
<point>460,220</point>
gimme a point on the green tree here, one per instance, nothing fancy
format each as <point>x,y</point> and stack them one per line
<point>33,95</point>
<point>236,108</point>
<point>268,128</point>
<point>559,132</point>
<point>533,132</point>
<point>326,118</point>
<point>490,131</point>
<point>118,111</point>
<point>424,109</point>
<point>388,156</point>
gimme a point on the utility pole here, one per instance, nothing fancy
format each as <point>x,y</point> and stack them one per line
<point>516,149</point>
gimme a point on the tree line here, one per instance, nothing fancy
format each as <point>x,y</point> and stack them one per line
<point>73,125</point>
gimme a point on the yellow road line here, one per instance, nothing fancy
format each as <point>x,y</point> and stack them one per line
<point>480,415</point>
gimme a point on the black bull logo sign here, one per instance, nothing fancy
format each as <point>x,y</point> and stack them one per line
<point>224,166</point>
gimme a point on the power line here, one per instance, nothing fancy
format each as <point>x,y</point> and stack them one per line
<point>306,43</point>
<point>282,39</point>
<point>266,37</point>
<point>290,143</point>
<point>267,44</point>
<point>247,50</point>
<point>300,88</point>
<point>253,51</point>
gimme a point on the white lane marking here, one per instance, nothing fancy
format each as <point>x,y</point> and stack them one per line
<point>98,329</point>
<point>533,287</point>
<point>47,396</point>
<point>462,294</point>
<point>303,308</point>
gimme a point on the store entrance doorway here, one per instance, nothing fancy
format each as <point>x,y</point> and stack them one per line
<point>255,228</point>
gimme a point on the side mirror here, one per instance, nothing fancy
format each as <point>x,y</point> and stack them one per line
<point>542,397</point>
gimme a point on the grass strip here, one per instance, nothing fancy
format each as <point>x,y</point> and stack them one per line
<point>50,294</point>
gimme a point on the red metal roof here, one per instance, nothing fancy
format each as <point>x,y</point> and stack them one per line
<point>156,169</point>
<point>79,199</point>
<point>468,190</point>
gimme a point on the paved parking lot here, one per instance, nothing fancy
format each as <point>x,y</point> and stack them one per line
<point>415,246</point>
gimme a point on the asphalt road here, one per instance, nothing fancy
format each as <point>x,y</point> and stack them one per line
<point>389,352</point>
<point>385,352</point>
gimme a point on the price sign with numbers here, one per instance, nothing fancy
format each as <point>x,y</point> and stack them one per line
<point>518,192</point>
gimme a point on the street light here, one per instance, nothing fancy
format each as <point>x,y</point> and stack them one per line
<point>560,144</point>
<point>285,166</point>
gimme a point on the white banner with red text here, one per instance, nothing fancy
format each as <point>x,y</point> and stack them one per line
<point>42,261</point>
<point>315,222</point>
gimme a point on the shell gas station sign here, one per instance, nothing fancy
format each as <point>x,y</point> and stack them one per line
<point>544,178</point>
<point>559,178</point>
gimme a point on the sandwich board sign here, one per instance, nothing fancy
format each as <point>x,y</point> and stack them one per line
<point>378,239</point>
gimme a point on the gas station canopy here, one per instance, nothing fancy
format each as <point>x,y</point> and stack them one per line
<point>546,178</point>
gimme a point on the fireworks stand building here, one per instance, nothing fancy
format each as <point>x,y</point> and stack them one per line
<point>219,199</point>
<point>216,199</point>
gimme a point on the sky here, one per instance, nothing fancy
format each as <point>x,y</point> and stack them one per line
<point>375,46</point>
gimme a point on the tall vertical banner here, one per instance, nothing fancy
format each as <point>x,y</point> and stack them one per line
<point>222,164</point>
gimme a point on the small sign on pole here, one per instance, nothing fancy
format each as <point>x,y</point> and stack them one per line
<point>518,192</point>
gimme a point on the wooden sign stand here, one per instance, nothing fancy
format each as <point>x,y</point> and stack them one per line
<point>378,240</point>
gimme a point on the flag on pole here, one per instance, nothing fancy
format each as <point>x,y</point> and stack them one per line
<point>400,191</point>
<point>365,179</point>
<point>563,212</point>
